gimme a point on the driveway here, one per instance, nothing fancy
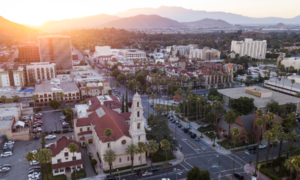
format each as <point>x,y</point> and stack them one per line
<point>87,164</point>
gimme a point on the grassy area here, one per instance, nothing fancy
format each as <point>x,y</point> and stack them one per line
<point>205,129</point>
<point>271,173</point>
<point>231,145</point>
<point>80,174</point>
<point>51,177</point>
<point>162,157</point>
<point>211,135</point>
<point>123,168</point>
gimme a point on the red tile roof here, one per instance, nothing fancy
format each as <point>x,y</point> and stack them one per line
<point>83,122</point>
<point>62,143</point>
<point>126,115</point>
<point>113,104</point>
<point>67,164</point>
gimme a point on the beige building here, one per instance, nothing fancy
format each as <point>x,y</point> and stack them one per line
<point>62,159</point>
<point>12,76</point>
<point>206,53</point>
<point>134,54</point>
<point>50,90</point>
<point>58,49</point>
<point>40,71</point>
<point>255,49</point>
<point>292,61</point>
<point>94,89</point>
<point>89,129</point>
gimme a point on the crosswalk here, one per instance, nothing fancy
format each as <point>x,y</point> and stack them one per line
<point>229,177</point>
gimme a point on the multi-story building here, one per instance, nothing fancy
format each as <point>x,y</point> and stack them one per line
<point>206,53</point>
<point>292,61</point>
<point>12,75</point>
<point>93,88</point>
<point>183,50</point>
<point>40,71</point>
<point>128,128</point>
<point>56,49</point>
<point>254,49</point>
<point>29,52</point>
<point>65,92</point>
<point>134,54</point>
<point>62,159</point>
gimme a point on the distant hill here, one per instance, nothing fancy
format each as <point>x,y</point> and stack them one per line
<point>79,23</point>
<point>188,15</point>
<point>143,21</point>
<point>209,23</point>
<point>280,25</point>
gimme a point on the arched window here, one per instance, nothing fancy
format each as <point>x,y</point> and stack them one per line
<point>138,103</point>
<point>138,114</point>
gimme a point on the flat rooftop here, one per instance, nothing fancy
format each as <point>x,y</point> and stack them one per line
<point>89,74</point>
<point>46,86</point>
<point>11,91</point>
<point>259,102</point>
<point>81,110</point>
<point>7,114</point>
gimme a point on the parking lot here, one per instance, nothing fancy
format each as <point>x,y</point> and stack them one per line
<point>51,121</point>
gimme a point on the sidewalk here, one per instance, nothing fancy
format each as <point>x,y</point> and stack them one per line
<point>250,170</point>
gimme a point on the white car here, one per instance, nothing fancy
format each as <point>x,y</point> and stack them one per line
<point>34,175</point>
<point>10,142</point>
<point>48,145</point>
<point>262,146</point>
<point>34,163</point>
<point>147,174</point>
<point>6,154</point>
<point>4,169</point>
<point>34,151</point>
<point>50,137</point>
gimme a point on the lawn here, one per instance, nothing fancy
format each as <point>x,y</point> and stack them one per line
<point>80,174</point>
<point>51,177</point>
<point>205,129</point>
<point>211,135</point>
<point>224,144</point>
<point>273,174</point>
<point>162,157</point>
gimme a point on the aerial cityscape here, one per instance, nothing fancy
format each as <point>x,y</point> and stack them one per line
<point>128,90</point>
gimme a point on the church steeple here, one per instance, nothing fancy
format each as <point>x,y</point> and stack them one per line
<point>137,120</point>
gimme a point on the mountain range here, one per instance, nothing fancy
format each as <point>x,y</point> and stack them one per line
<point>187,15</point>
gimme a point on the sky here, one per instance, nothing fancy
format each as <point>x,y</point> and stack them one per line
<point>37,12</point>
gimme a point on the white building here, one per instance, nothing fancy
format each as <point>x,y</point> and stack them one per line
<point>285,85</point>
<point>206,53</point>
<point>132,54</point>
<point>40,71</point>
<point>254,49</point>
<point>62,159</point>
<point>183,50</point>
<point>128,128</point>
<point>292,61</point>
<point>102,51</point>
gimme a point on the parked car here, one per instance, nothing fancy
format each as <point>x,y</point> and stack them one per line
<point>153,169</point>
<point>139,172</point>
<point>193,135</point>
<point>6,154</point>
<point>48,145</point>
<point>238,175</point>
<point>197,139</point>
<point>50,137</point>
<point>147,174</point>
<point>177,122</point>
<point>34,163</point>
<point>110,178</point>
<point>6,165</point>
<point>4,169</point>
<point>271,144</point>
<point>179,126</point>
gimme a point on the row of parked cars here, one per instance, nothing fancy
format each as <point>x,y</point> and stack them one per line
<point>37,122</point>
<point>8,149</point>
<point>5,168</point>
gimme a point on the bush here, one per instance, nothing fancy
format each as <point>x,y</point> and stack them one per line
<point>93,162</point>
<point>58,132</point>
<point>38,110</point>
<point>65,131</point>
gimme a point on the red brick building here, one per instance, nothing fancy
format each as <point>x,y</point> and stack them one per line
<point>29,52</point>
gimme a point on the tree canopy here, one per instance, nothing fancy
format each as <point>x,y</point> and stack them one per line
<point>54,104</point>
<point>243,105</point>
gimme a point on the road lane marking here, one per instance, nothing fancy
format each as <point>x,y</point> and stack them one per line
<point>229,177</point>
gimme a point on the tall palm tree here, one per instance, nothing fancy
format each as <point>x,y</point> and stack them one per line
<point>230,118</point>
<point>296,164</point>
<point>153,96</point>
<point>165,145</point>
<point>234,132</point>
<point>292,81</point>
<point>43,156</point>
<point>108,133</point>
<point>148,90</point>
<point>29,156</point>
<point>152,147</point>
<point>73,148</point>
<point>289,165</point>
<point>269,136</point>
<point>281,136</point>
<point>260,122</point>
<point>35,98</point>
<point>61,95</point>
<point>131,151</point>
<point>140,149</point>
<point>109,157</point>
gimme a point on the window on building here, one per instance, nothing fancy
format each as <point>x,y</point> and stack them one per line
<point>138,125</point>
<point>138,114</point>
<point>139,138</point>
<point>88,128</point>
<point>120,159</point>
<point>128,158</point>
<point>138,103</point>
<point>80,129</point>
<point>59,161</point>
<point>66,154</point>
<point>108,145</point>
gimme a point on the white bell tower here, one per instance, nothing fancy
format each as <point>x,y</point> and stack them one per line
<point>137,120</point>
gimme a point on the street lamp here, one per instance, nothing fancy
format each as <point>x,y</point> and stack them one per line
<point>209,161</point>
<point>119,174</point>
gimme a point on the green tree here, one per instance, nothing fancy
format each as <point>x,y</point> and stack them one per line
<point>108,133</point>
<point>109,157</point>
<point>140,149</point>
<point>196,174</point>
<point>101,89</point>
<point>274,107</point>
<point>16,98</point>
<point>54,104</point>
<point>131,151</point>
<point>152,147</point>
<point>234,132</point>
<point>243,105</point>
<point>165,145</point>
<point>141,78</point>
<point>3,98</point>
<point>61,95</point>
<point>290,107</point>
<point>29,156</point>
<point>126,102</point>
<point>43,156</point>
<point>115,73</point>
<point>73,148</point>
<point>230,118</point>
<point>87,90</point>
<point>281,136</point>
<point>68,113</point>
<point>123,107</point>
<point>9,100</point>
<point>35,98</point>
<point>121,77</point>
<point>290,165</point>
<point>293,82</point>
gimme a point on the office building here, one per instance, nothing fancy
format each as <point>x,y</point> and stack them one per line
<point>42,71</point>
<point>183,50</point>
<point>255,49</point>
<point>292,61</point>
<point>29,52</point>
<point>133,54</point>
<point>206,53</point>
<point>57,49</point>
<point>12,75</point>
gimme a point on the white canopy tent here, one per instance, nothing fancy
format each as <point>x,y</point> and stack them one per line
<point>19,123</point>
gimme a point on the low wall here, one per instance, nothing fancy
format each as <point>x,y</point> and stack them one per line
<point>20,136</point>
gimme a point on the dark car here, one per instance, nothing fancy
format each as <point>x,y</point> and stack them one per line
<point>271,144</point>
<point>110,178</point>
<point>71,130</point>
<point>238,175</point>
<point>197,139</point>
<point>139,172</point>
<point>193,135</point>
<point>186,130</point>
<point>179,126</point>
<point>177,122</point>
<point>153,169</point>
<point>190,133</point>
<point>173,121</point>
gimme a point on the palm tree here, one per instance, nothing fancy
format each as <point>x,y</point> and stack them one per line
<point>259,123</point>
<point>3,98</point>
<point>108,133</point>
<point>29,156</point>
<point>73,148</point>
<point>292,81</point>
<point>281,136</point>
<point>289,165</point>
<point>34,98</point>
<point>109,157</point>
<point>16,98</point>
<point>296,163</point>
<point>230,118</point>
<point>140,149</point>
<point>248,135</point>
<point>87,90</point>
<point>152,147</point>
<point>131,151</point>
<point>298,95</point>
<point>100,89</point>
<point>269,136</point>
<point>165,145</point>
<point>153,96</point>
<point>148,90</point>
<point>234,132</point>
<point>43,156</point>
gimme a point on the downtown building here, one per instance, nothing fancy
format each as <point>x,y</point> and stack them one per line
<point>29,52</point>
<point>254,49</point>
<point>57,49</point>
<point>206,53</point>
